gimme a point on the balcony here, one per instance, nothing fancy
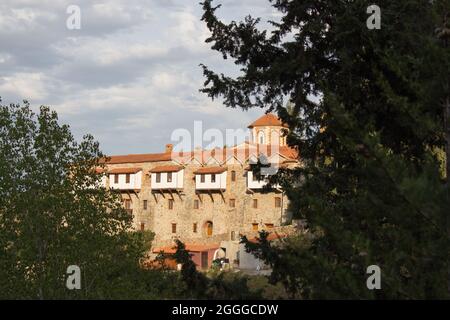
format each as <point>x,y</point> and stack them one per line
<point>254,183</point>
<point>167,177</point>
<point>211,178</point>
<point>125,178</point>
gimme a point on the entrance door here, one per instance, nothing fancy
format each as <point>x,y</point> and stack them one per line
<point>205,260</point>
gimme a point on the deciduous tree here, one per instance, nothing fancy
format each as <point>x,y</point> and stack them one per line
<point>54,213</point>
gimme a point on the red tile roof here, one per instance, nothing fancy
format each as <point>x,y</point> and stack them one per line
<point>124,170</point>
<point>139,158</point>
<point>192,247</point>
<point>168,168</point>
<point>272,236</point>
<point>268,119</point>
<point>242,152</point>
<point>210,170</point>
<point>289,152</point>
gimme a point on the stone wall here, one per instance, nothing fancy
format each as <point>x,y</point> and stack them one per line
<point>213,207</point>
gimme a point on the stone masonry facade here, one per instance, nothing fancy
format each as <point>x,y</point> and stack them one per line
<point>203,216</point>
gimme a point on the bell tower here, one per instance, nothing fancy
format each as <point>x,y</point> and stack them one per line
<point>268,130</point>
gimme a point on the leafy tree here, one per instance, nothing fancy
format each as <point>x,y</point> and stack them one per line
<point>54,213</point>
<point>367,117</point>
<point>224,285</point>
<point>193,283</point>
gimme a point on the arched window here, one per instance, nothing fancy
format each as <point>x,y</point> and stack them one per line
<point>275,137</point>
<point>261,139</point>
<point>208,228</point>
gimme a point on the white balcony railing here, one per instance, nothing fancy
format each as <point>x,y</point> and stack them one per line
<point>214,178</point>
<point>125,178</point>
<point>167,178</point>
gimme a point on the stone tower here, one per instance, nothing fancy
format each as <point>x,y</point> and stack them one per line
<point>268,129</point>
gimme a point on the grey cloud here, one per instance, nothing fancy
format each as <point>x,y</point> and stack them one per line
<point>130,76</point>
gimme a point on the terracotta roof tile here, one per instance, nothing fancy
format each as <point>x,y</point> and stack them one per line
<point>192,247</point>
<point>241,152</point>
<point>272,236</point>
<point>168,168</point>
<point>138,158</point>
<point>210,170</point>
<point>124,170</point>
<point>289,152</point>
<point>268,119</point>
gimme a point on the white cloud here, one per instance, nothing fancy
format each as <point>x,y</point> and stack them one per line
<point>131,74</point>
<point>106,51</point>
<point>25,85</point>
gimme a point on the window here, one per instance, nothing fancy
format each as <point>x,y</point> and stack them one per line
<point>174,228</point>
<point>254,226</point>
<point>277,202</point>
<point>209,228</point>
<point>202,178</point>
<point>158,177</point>
<point>196,204</point>
<point>127,178</point>
<point>127,205</point>
<point>233,236</point>
<point>116,178</point>
<point>255,177</point>
<point>169,176</point>
<point>275,137</point>
<point>145,204</point>
<point>213,178</point>
<point>142,226</point>
<point>232,203</point>
<point>194,228</point>
<point>269,225</point>
<point>233,175</point>
<point>170,204</point>
<point>255,203</point>
<point>261,137</point>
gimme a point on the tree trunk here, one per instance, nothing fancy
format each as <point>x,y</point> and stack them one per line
<point>447,171</point>
<point>447,139</point>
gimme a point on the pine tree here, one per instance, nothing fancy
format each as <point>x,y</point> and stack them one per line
<point>367,118</point>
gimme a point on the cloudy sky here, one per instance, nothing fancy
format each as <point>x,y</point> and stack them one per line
<point>130,76</point>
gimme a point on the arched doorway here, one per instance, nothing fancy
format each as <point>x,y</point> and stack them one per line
<point>208,228</point>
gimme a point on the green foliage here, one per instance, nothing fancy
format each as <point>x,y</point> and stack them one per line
<point>262,285</point>
<point>214,284</point>
<point>195,282</point>
<point>365,111</point>
<point>54,214</point>
<point>231,286</point>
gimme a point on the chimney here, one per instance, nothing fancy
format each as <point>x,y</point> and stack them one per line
<point>169,148</point>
